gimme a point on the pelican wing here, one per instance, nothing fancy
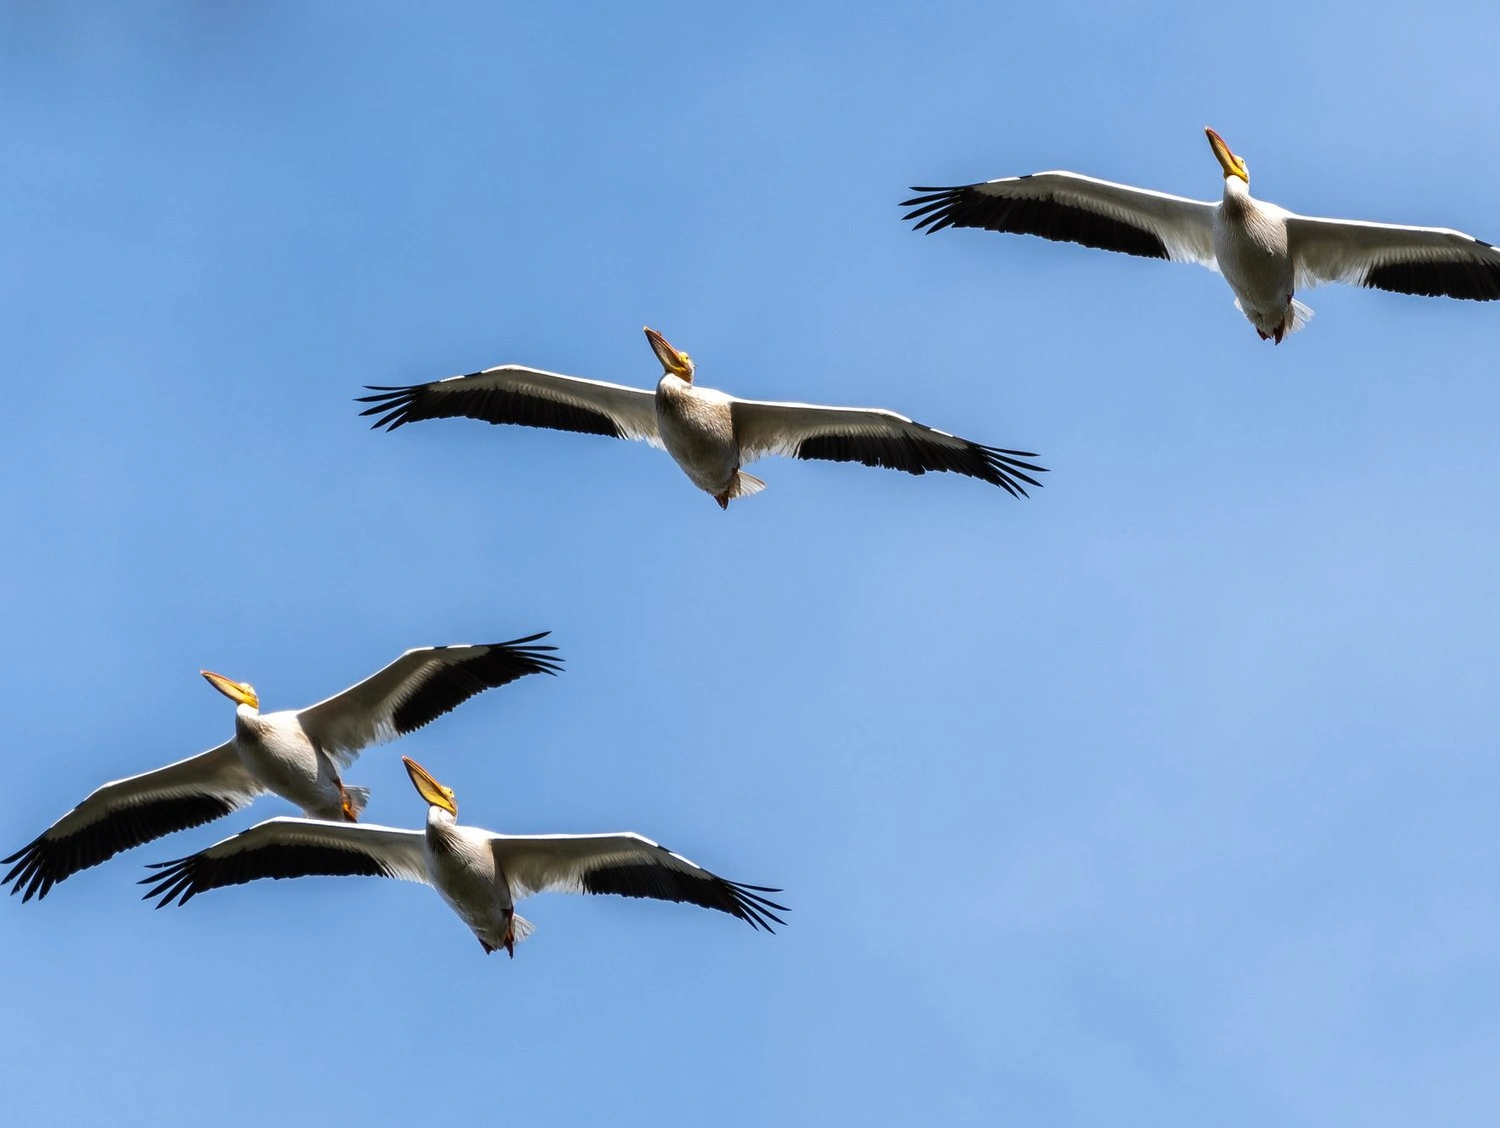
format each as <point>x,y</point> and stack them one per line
<point>1431,261</point>
<point>128,812</point>
<point>628,865</point>
<point>290,847</point>
<point>525,396</point>
<point>1070,208</point>
<point>416,688</point>
<point>874,437</point>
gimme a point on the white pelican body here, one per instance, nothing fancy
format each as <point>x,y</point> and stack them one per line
<point>462,868</point>
<point>709,433</point>
<point>1250,250</point>
<point>1264,252</point>
<point>278,755</point>
<point>297,754</point>
<point>481,875</point>
<point>696,426</point>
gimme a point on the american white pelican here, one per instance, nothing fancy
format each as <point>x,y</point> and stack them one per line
<point>1265,252</point>
<point>295,754</point>
<point>709,433</point>
<point>480,874</point>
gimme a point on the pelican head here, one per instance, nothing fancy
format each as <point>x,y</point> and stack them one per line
<point>1233,165</point>
<point>430,789</point>
<point>241,693</point>
<point>677,363</point>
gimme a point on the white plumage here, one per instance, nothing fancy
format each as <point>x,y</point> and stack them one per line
<point>481,875</point>
<point>709,433</point>
<point>1265,252</point>
<point>297,754</point>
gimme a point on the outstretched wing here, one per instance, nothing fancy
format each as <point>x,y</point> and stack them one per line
<point>1430,261</point>
<point>874,437</point>
<point>628,865</point>
<point>525,396</point>
<point>1070,208</point>
<point>416,688</point>
<point>129,812</point>
<point>290,847</point>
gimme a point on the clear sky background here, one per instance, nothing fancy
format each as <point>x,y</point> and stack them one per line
<point>1164,797</point>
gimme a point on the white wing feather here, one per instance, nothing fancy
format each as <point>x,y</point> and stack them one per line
<point>219,772</point>
<point>417,687</point>
<point>364,714</point>
<point>558,863</point>
<point>1347,250</point>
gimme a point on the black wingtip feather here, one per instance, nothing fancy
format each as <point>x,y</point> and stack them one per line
<point>450,686</point>
<point>757,911</point>
<point>16,856</point>
<point>966,205</point>
<point>45,862</point>
<point>909,453</point>
<point>183,879</point>
<point>668,883</point>
<point>1465,279</point>
<point>445,399</point>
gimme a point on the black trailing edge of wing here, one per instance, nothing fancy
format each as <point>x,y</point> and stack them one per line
<point>36,868</point>
<point>1002,468</point>
<point>185,878</point>
<point>967,206</point>
<point>664,883</point>
<point>448,687</point>
<point>1450,278</point>
<point>397,406</point>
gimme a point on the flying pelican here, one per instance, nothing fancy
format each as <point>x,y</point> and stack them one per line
<point>480,874</point>
<point>296,754</point>
<point>709,433</point>
<point>1265,252</point>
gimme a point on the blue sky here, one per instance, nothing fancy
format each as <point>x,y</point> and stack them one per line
<point>1164,797</point>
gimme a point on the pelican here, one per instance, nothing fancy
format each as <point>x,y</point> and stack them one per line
<point>479,873</point>
<point>710,434</point>
<point>1265,252</point>
<point>296,754</point>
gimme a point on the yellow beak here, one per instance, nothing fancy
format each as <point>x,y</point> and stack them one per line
<point>428,788</point>
<point>672,360</point>
<point>238,692</point>
<point>1231,164</point>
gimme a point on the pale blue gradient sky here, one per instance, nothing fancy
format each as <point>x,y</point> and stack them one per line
<point>1164,797</point>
